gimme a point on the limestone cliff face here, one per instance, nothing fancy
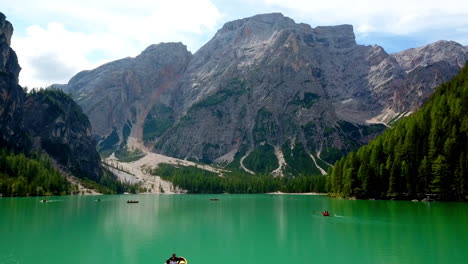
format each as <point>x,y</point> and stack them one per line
<point>46,121</point>
<point>121,93</point>
<point>267,80</point>
<point>449,51</point>
<point>56,124</point>
<point>11,94</point>
<point>262,84</point>
<point>426,68</point>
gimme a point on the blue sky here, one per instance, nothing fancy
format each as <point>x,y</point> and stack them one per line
<point>55,39</point>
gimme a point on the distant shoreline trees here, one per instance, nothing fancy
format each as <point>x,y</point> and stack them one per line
<point>197,180</point>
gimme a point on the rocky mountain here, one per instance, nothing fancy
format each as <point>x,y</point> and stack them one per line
<point>424,153</point>
<point>11,94</point>
<point>265,94</point>
<point>426,68</point>
<point>122,90</point>
<point>43,121</point>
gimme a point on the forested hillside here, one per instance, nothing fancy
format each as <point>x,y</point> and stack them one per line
<point>25,176</point>
<point>425,153</point>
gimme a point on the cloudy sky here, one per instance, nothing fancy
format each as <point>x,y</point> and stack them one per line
<point>55,39</point>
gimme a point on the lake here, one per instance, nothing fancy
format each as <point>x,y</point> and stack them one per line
<point>236,229</point>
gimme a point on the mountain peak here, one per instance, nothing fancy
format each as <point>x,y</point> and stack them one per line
<point>271,19</point>
<point>165,47</point>
<point>261,28</point>
<point>342,35</point>
<point>165,52</point>
<point>455,54</point>
<point>6,30</point>
<point>8,59</point>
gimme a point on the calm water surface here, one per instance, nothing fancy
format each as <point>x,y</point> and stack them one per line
<point>235,229</point>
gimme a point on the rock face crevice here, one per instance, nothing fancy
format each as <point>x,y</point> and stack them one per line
<point>262,81</point>
<point>44,121</point>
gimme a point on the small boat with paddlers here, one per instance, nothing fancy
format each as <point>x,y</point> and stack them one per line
<point>176,260</point>
<point>132,201</point>
<point>325,213</point>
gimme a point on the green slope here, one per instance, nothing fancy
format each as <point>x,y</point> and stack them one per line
<point>425,153</point>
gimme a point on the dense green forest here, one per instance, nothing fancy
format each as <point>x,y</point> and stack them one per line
<point>425,153</point>
<point>197,180</point>
<point>35,175</point>
<point>30,176</point>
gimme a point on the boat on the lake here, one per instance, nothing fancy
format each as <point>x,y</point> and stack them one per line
<point>179,260</point>
<point>214,199</point>
<point>325,213</point>
<point>132,201</point>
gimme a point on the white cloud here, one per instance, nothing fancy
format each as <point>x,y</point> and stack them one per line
<point>69,36</point>
<point>77,35</point>
<point>399,17</point>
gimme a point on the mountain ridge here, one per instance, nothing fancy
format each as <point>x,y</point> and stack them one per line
<point>262,81</point>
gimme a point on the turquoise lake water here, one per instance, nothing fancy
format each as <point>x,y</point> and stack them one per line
<point>236,229</point>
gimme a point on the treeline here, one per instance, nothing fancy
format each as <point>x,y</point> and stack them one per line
<point>425,153</point>
<point>109,184</point>
<point>35,175</point>
<point>30,176</point>
<point>197,180</point>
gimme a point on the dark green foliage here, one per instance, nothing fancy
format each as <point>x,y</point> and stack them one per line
<point>307,102</point>
<point>158,120</point>
<point>351,135</point>
<point>298,160</point>
<point>207,149</point>
<point>35,176</point>
<point>265,126</point>
<point>373,129</point>
<point>124,155</point>
<point>109,143</point>
<point>30,176</point>
<point>58,102</point>
<point>425,153</point>
<point>262,159</point>
<point>196,180</point>
<point>235,163</point>
<point>235,87</point>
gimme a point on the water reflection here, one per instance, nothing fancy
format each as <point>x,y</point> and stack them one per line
<point>237,228</point>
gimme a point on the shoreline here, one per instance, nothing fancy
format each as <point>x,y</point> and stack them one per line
<point>171,193</point>
<point>308,193</point>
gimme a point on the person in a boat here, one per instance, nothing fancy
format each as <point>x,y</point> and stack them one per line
<point>173,260</point>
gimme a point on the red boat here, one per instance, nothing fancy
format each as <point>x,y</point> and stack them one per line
<point>325,213</point>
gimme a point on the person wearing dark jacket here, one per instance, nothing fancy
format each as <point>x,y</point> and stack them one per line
<point>173,260</point>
